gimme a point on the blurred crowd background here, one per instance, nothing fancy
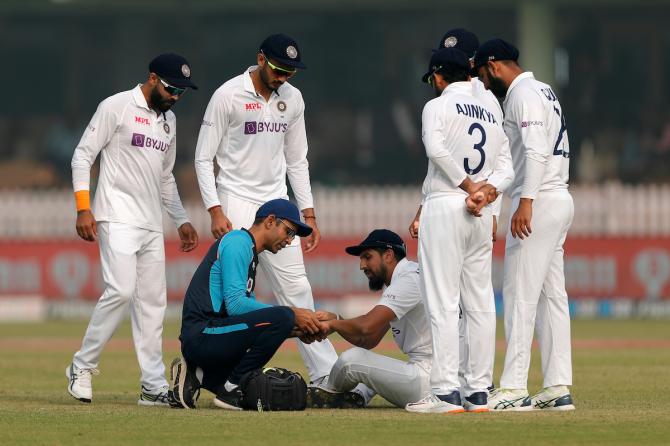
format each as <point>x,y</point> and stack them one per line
<point>608,60</point>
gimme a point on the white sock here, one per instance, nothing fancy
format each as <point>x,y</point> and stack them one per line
<point>229,386</point>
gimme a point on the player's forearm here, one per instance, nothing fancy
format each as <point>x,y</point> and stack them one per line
<point>532,181</point>
<point>204,169</point>
<point>172,202</point>
<point>357,332</point>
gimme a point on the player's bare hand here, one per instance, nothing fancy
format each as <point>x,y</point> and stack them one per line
<point>188,237</point>
<point>414,226</point>
<point>306,321</point>
<point>313,240</point>
<point>325,315</point>
<point>296,333</point>
<point>220,223</point>
<point>520,224</point>
<point>481,197</point>
<point>495,229</point>
<point>86,226</point>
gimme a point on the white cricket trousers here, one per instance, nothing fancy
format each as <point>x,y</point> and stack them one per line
<point>399,382</point>
<point>133,270</point>
<point>288,280</point>
<point>455,254</point>
<point>534,294</point>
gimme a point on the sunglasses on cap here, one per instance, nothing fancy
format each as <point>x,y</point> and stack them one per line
<point>171,89</point>
<point>279,71</point>
<point>432,75</point>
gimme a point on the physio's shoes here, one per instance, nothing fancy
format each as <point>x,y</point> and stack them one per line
<point>447,404</point>
<point>184,385</point>
<point>79,382</point>
<point>510,400</point>
<point>553,398</point>
<point>229,399</point>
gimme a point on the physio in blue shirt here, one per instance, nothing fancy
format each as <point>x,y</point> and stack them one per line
<point>225,331</point>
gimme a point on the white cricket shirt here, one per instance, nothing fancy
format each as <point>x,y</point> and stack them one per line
<point>411,330</point>
<point>535,126</point>
<point>138,153</point>
<point>463,138</point>
<point>256,144</point>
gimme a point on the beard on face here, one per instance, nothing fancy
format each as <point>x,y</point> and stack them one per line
<point>496,85</point>
<point>376,281</point>
<point>271,85</point>
<point>159,102</point>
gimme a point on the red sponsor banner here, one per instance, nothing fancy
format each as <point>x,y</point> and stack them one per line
<point>595,267</point>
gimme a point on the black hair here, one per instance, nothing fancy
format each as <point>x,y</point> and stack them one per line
<point>452,73</point>
<point>259,220</point>
<point>398,253</point>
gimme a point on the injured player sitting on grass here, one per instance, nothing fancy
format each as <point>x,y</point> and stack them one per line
<point>359,374</point>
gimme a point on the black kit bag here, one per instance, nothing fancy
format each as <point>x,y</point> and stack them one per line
<point>273,388</point>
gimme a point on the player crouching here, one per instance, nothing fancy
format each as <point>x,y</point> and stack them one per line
<point>225,332</point>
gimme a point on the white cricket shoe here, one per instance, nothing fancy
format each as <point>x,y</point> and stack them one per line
<point>553,398</point>
<point>510,400</point>
<point>79,382</point>
<point>433,404</point>
<point>158,397</point>
<point>476,403</point>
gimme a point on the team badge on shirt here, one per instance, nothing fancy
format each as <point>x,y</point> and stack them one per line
<point>166,127</point>
<point>281,106</point>
<point>450,41</point>
<point>291,52</point>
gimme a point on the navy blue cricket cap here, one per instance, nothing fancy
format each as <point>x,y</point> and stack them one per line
<point>285,210</point>
<point>283,49</point>
<point>173,69</point>
<point>494,50</point>
<point>379,238</point>
<point>461,39</point>
<point>446,57</point>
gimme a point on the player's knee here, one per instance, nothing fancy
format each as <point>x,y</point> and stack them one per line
<point>119,293</point>
<point>285,319</point>
<point>299,294</point>
<point>352,356</point>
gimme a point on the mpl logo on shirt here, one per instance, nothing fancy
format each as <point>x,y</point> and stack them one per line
<point>253,127</point>
<point>140,140</point>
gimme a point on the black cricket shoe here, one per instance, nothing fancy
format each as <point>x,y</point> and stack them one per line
<point>319,398</point>
<point>229,399</point>
<point>185,387</point>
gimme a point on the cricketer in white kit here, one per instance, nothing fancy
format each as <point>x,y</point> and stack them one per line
<point>136,133</point>
<point>254,125</point>
<point>401,309</point>
<point>468,154</point>
<point>534,283</point>
<point>468,42</point>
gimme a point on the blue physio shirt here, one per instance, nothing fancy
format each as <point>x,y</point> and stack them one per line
<point>223,285</point>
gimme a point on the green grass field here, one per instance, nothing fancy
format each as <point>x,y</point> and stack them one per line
<point>621,370</point>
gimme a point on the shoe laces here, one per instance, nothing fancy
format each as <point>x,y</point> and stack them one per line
<point>426,400</point>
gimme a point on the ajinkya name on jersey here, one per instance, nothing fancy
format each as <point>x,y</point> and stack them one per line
<point>254,127</point>
<point>475,111</point>
<point>140,140</point>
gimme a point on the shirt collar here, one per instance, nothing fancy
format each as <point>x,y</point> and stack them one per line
<point>141,102</point>
<point>519,78</point>
<point>399,266</point>
<point>249,84</point>
<point>462,86</point>
<point>253,241</point>
<point>139,97</point>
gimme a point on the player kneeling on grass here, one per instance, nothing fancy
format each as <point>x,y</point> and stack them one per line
<point>382,260</point>
<point>225,332</point>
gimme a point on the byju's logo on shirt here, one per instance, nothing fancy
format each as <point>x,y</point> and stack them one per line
<point>253,127</point>
<point>140,140</point>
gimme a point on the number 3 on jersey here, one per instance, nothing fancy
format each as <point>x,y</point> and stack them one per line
<point>479,147</point>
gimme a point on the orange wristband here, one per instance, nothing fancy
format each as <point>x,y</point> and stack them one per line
<point>83,200</point>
